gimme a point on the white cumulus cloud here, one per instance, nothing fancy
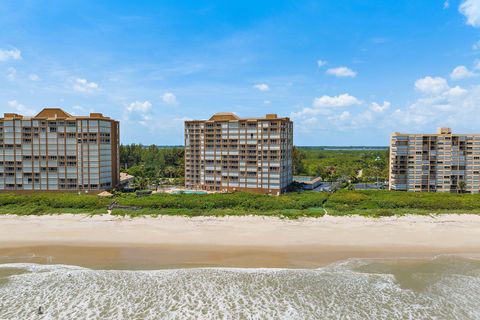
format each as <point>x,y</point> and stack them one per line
<point>169,98</point>
<point>456,107</point>
<point>456,91</point>
<point>138,106</point>
<point>471,10</point>
<point>375,107</point>
<point>13,54</point>
<point>261,87</point>
<point>342,100</point>
<point>342,72</point>
<point>438,104</point>
<point>431,85</point>
<point>323,109</point>
<point>441,105</point>
<point>82,85</point>
<point>462,72</point>
<point>140,112</point>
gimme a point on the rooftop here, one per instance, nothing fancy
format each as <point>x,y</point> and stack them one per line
<point>224,116</point>
<point>54,114</point>
<point>440,131</point>
<point>125,176</point>
<point>230,116</point>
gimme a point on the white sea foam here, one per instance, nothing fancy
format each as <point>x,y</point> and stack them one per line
<point>353,289</point>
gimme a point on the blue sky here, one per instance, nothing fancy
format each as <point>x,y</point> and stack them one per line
<point>346,72</point>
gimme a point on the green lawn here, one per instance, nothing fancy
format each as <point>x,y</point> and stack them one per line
<point>373,203</point>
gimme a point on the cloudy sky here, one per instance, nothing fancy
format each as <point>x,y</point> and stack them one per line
<point>346,72</point>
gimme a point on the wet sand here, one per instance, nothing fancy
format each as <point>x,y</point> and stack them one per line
<point>108,242</point>
<point>161,257</point>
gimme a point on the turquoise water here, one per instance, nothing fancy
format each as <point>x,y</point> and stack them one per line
<point>189,192</point>
<point>303,178</point>
<point>445,287</point>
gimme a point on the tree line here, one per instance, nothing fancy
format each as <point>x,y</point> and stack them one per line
<point>331,165</point>
<point>152,162</point>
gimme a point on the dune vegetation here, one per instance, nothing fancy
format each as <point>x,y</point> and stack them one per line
<point>374,203</point>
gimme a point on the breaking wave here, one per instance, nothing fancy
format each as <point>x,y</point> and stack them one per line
<point>445,287</point>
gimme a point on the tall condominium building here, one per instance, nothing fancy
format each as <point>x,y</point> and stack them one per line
<point>57,151</point>
<point>442,162</point>
<point>228,153</point>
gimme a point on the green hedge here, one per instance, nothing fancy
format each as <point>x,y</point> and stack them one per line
<point>238,200</point>
<point>344,201</point>
<point>55,200</point>
<point>231,204</point>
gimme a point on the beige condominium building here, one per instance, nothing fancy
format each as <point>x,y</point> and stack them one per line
<point>55,151</point>
<point>442,162</point>
<point>229,153</point>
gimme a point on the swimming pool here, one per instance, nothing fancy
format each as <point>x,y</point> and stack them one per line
<point>189,192</point>
<point>303,178</point>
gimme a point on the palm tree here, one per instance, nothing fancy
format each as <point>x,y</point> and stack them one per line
<point>461,186</point>
<point>141,183</point>
<point>170,171</point>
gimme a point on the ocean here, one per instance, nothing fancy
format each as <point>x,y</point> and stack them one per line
<point>445,287</point>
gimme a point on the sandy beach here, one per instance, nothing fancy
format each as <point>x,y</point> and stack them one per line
<point>248,241</point>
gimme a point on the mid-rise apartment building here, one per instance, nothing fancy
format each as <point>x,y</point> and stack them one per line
<point>229,153</point>
<point>442,162</point>
<point>55,151</point>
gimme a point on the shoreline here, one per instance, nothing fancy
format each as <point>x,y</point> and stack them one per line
<point>113,242</point>
<point>173,257</point>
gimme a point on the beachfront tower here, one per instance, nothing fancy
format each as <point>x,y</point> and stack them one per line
<point>55,151</point>
<point>229,153</point>
<point>441,162</point>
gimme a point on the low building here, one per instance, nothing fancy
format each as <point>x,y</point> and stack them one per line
<point>55,151</point>
<point>229,153</point>
<point>441,162</point>
<point>307,182</point>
